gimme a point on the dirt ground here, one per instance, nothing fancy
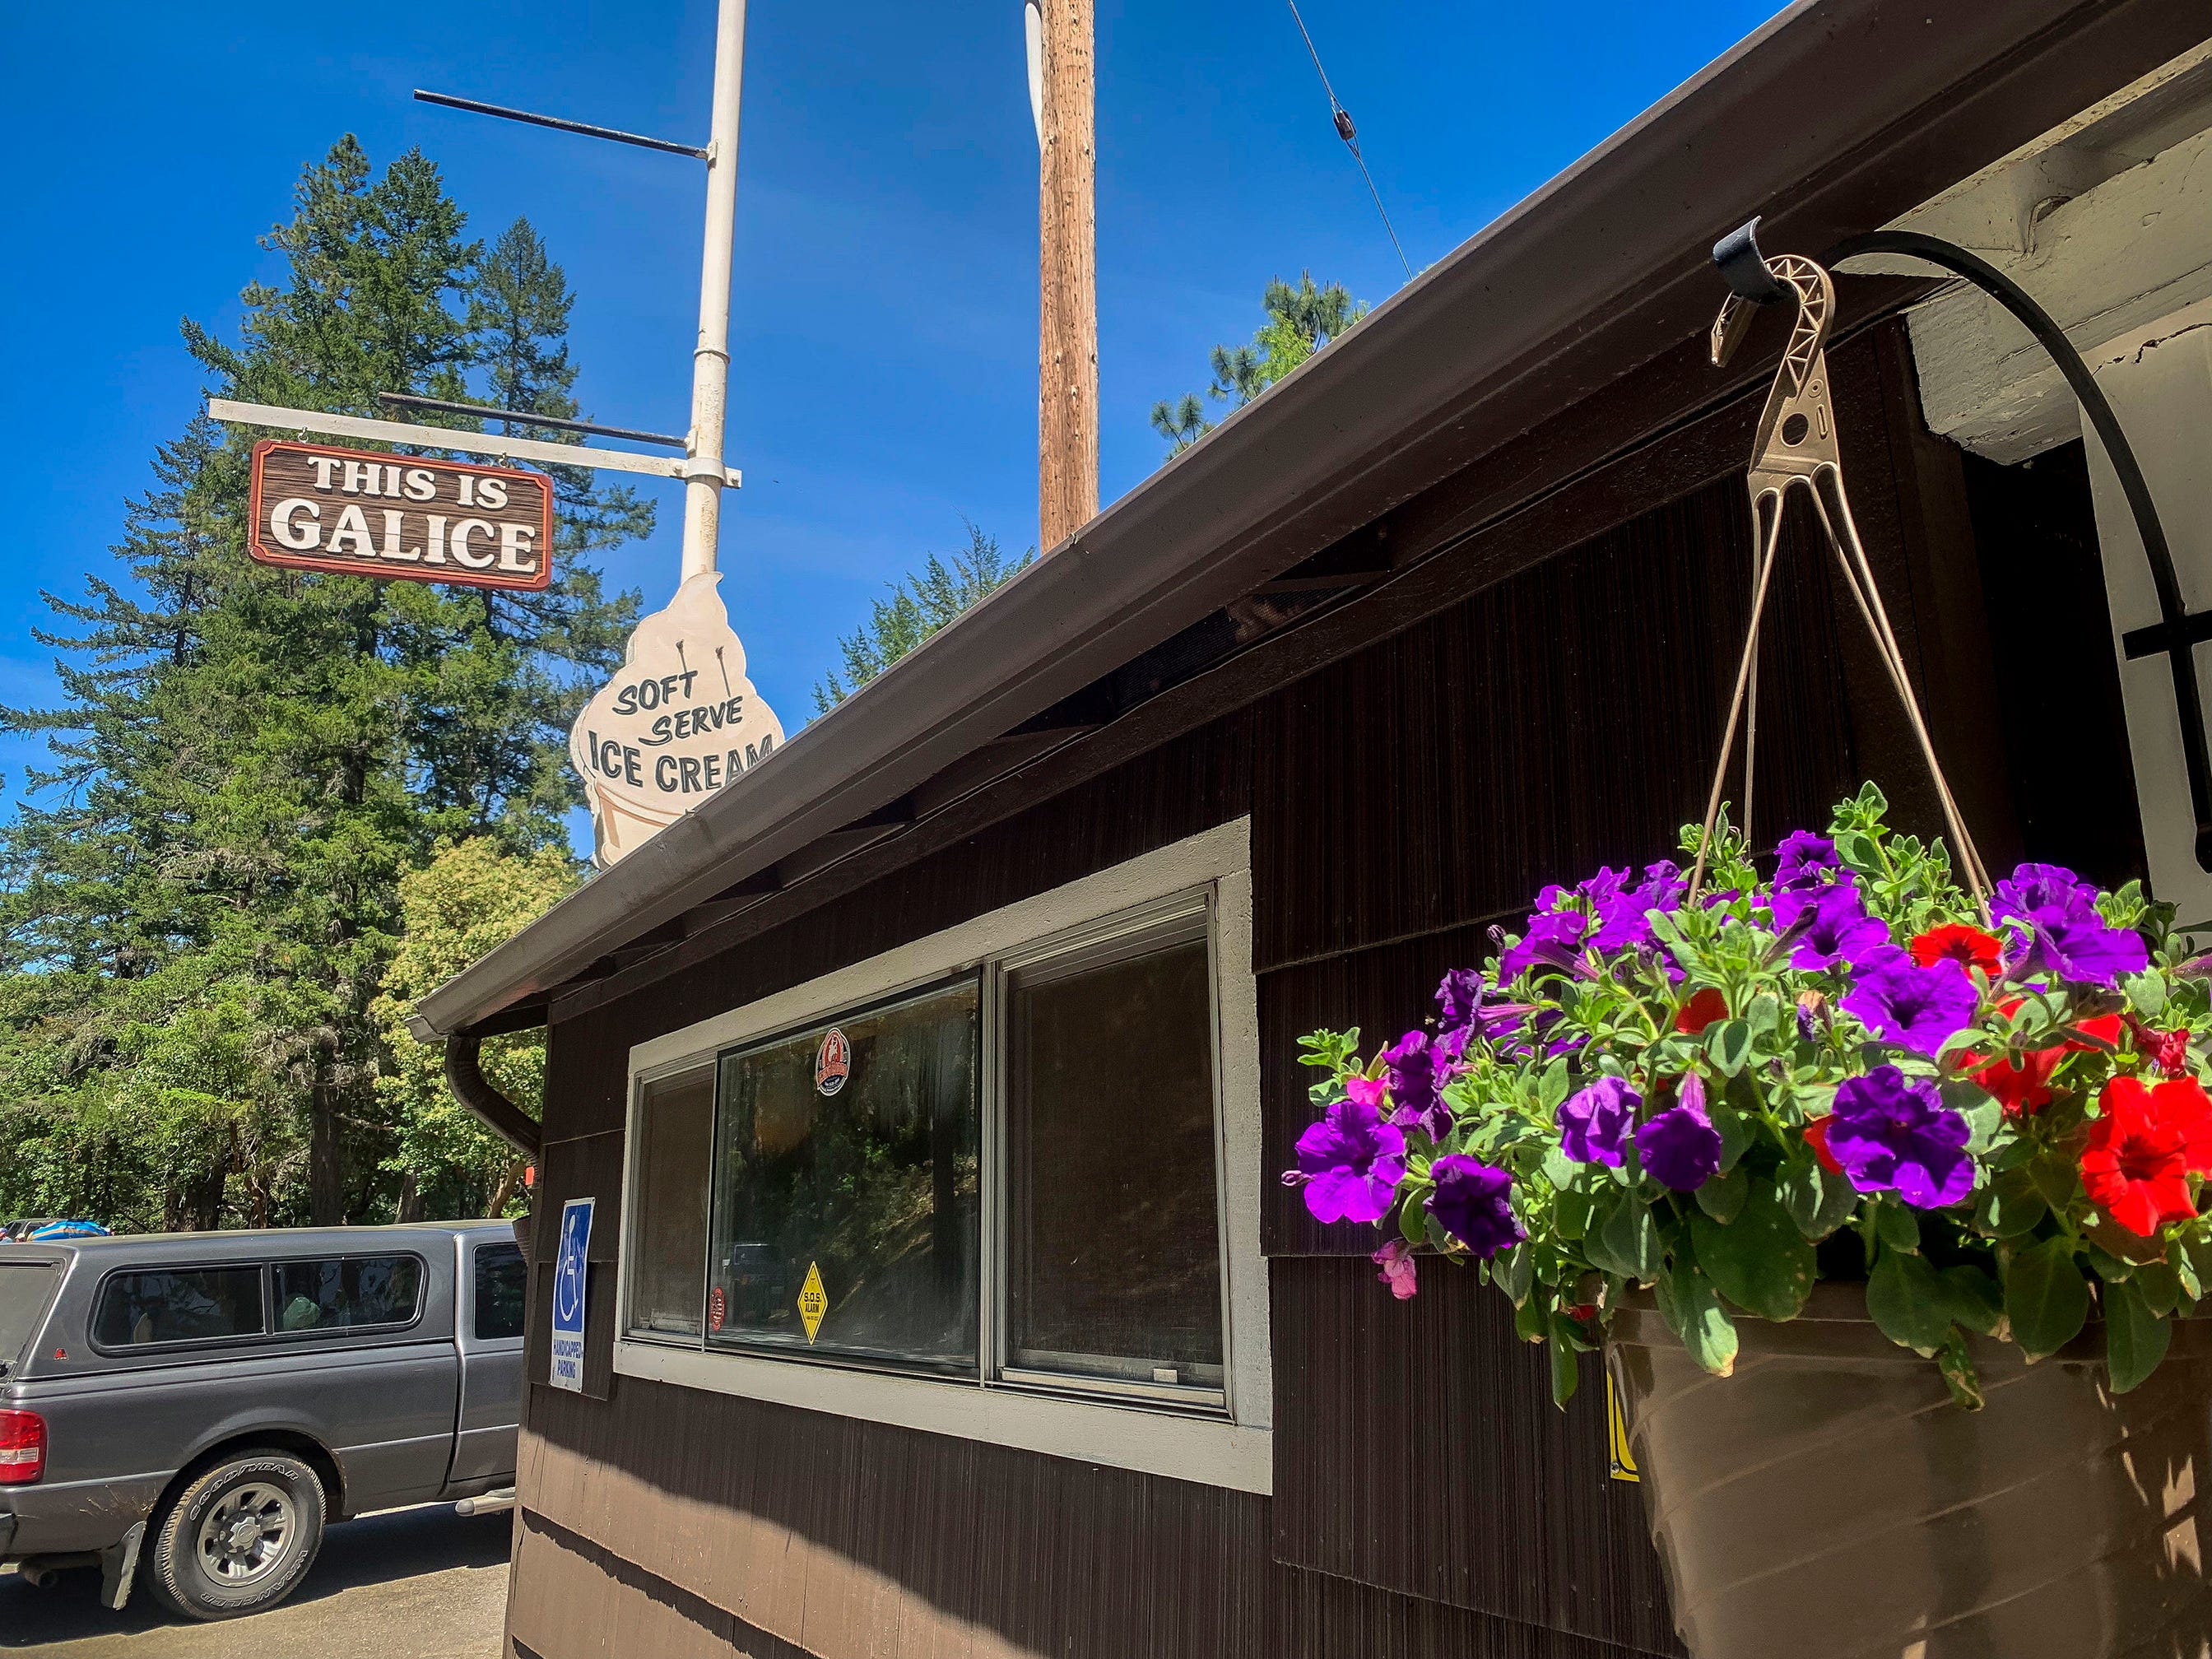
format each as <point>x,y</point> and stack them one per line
<point>422,1584</point>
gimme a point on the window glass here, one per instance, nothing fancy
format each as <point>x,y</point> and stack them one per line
<point>668,1240</point>
<point>1114,1268</point>
<point>183,1305</point>
<point>340,1295</point>
<point>847,1154</point>
<point>501,1286</point>
<point>25,1288</point>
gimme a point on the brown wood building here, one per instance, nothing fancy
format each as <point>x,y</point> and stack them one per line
<point>1268,745</point>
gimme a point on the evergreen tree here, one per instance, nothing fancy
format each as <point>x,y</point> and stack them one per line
<point>1301,320</point>
<point>198,907</point>
<point>918,606</point>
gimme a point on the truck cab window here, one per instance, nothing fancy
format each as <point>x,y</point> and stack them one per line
<point>501,1286</point>
<point>347,1293</point>
<point>179,1304</point>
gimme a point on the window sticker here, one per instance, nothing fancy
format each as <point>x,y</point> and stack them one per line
<point>833,1063</point>
<point>813,1300</point>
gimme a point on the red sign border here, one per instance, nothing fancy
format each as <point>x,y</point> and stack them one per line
<point>286,559</point>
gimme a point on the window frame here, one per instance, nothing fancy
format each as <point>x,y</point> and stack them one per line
<point>1226,1440</point>
<point>258,1266</point>
<point>269,1314</point>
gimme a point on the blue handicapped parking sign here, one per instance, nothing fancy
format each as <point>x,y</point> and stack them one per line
<point>569,1268</point>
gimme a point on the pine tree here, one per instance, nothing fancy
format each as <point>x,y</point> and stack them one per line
<point>1301,320</point>
<point>919,605</point>
<point>200,906</point>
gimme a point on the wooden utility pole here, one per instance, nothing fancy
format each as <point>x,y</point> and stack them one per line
<point>1067,342</point>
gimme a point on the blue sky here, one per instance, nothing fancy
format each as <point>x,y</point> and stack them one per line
<point>884,337</point>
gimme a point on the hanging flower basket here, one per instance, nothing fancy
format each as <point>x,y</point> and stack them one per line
<point>1978,1139</point>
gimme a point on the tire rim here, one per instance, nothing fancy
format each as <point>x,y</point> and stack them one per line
<point>247,1534</point>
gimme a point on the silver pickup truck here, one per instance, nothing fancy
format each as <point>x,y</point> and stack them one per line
<point>194,1407</point>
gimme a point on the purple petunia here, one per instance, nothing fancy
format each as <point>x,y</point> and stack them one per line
<point>1411,1066</point>
<point>1834,927</point>
<point>1595,1122</point>
<point>1465,1014</point>
<point>1679,1147</point>
<point>1894,1133</point>
<point>2066,932</point>
<point>1914,1007</point>
<point>1472,1203</point>
<point>1553,940</point>
<point>1805,860</point>
<point>1623,912</point>
<point>1350,1163</point>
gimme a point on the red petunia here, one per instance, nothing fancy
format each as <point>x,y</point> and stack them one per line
<point>2105,1028</point>
<point>2168,1050</point>
<point>1701,1011</point>
<point>2143,1149</point>
<point>1970,947</point>
<point>2023,1089</point>
<point>1816,1137</point>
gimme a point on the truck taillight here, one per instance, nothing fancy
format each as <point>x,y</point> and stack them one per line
<point>22,1447</point>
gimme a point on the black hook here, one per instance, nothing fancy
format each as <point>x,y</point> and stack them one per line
<point>1743,267</point>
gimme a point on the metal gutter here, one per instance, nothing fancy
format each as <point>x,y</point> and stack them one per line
<point>1836,115</point>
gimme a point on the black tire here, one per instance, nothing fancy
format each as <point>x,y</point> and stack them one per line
<point>239,1537</point>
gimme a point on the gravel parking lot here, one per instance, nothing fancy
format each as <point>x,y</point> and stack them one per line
<point>423,1583</point>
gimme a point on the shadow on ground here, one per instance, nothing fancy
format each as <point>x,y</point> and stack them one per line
<point>377,1550</point>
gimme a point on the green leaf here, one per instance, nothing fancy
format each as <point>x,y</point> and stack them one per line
<point>1729,1045</point>
<point>1906,1300</point>
<point>2047,1298</point>
<point>1560,1170</point>
<point>1733,1129</point>
<point>1895,1226</point>
<point>1818,1199</point>
<point>2010,1205</point>
<point>1722,1196</point>
<point>1764,1016</point>
<point>1553,1089</point>
<point>1957,1363</point>
<point>2145,992</point>
<point>1977,1301</point>
<point>1693,1310</point>
<point>2135,1338</point>
<point>1760,1260</point>
<point>1531,1319</point>
<point>1629,1243</point>
<point>2159,1286</point>
<point>2057,1178</point>
<point>1571,1214</point>
<point>1984,1117</point>
<point>1514,1272</point>
<point>1413,1220</point>
<point>1567,1371</point>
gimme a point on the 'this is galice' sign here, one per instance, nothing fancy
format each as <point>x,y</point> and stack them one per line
<point>363,513</point>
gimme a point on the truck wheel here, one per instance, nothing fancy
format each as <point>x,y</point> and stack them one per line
<point>239,1538</point>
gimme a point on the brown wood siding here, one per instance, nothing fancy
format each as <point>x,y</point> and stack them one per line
<point>1431,1461</point>
<point>1404,798</point>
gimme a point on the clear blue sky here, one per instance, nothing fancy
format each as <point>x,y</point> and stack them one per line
<point>883,382</point>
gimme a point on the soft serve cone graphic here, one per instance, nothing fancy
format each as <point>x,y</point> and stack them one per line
<point>679,722</point>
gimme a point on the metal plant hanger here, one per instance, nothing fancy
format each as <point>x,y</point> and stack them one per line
<point>1796,446</point>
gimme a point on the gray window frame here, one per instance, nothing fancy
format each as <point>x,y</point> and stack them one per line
<point>992,1368</point>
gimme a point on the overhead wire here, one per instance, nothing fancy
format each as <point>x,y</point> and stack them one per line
<point>1341,118</point>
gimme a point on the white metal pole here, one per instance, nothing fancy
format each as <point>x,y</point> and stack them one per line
<point>703,473</point>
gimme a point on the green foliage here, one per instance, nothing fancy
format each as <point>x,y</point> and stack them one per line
<point>918,606</point>
<point>201,896</point>
<point>1301,320</point>
<point>472,896</point>
<point>2018,1245</point>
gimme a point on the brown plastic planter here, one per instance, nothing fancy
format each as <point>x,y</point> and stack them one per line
<point>1828,1502</point>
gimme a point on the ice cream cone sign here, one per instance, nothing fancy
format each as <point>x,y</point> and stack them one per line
<point>679,722</point>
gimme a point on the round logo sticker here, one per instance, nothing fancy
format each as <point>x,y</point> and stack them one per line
<point>716,1309</point>
<point>833,1063</point>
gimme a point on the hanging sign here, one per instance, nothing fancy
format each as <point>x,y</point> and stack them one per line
<point>366,512</point>
<point>679,722</point>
